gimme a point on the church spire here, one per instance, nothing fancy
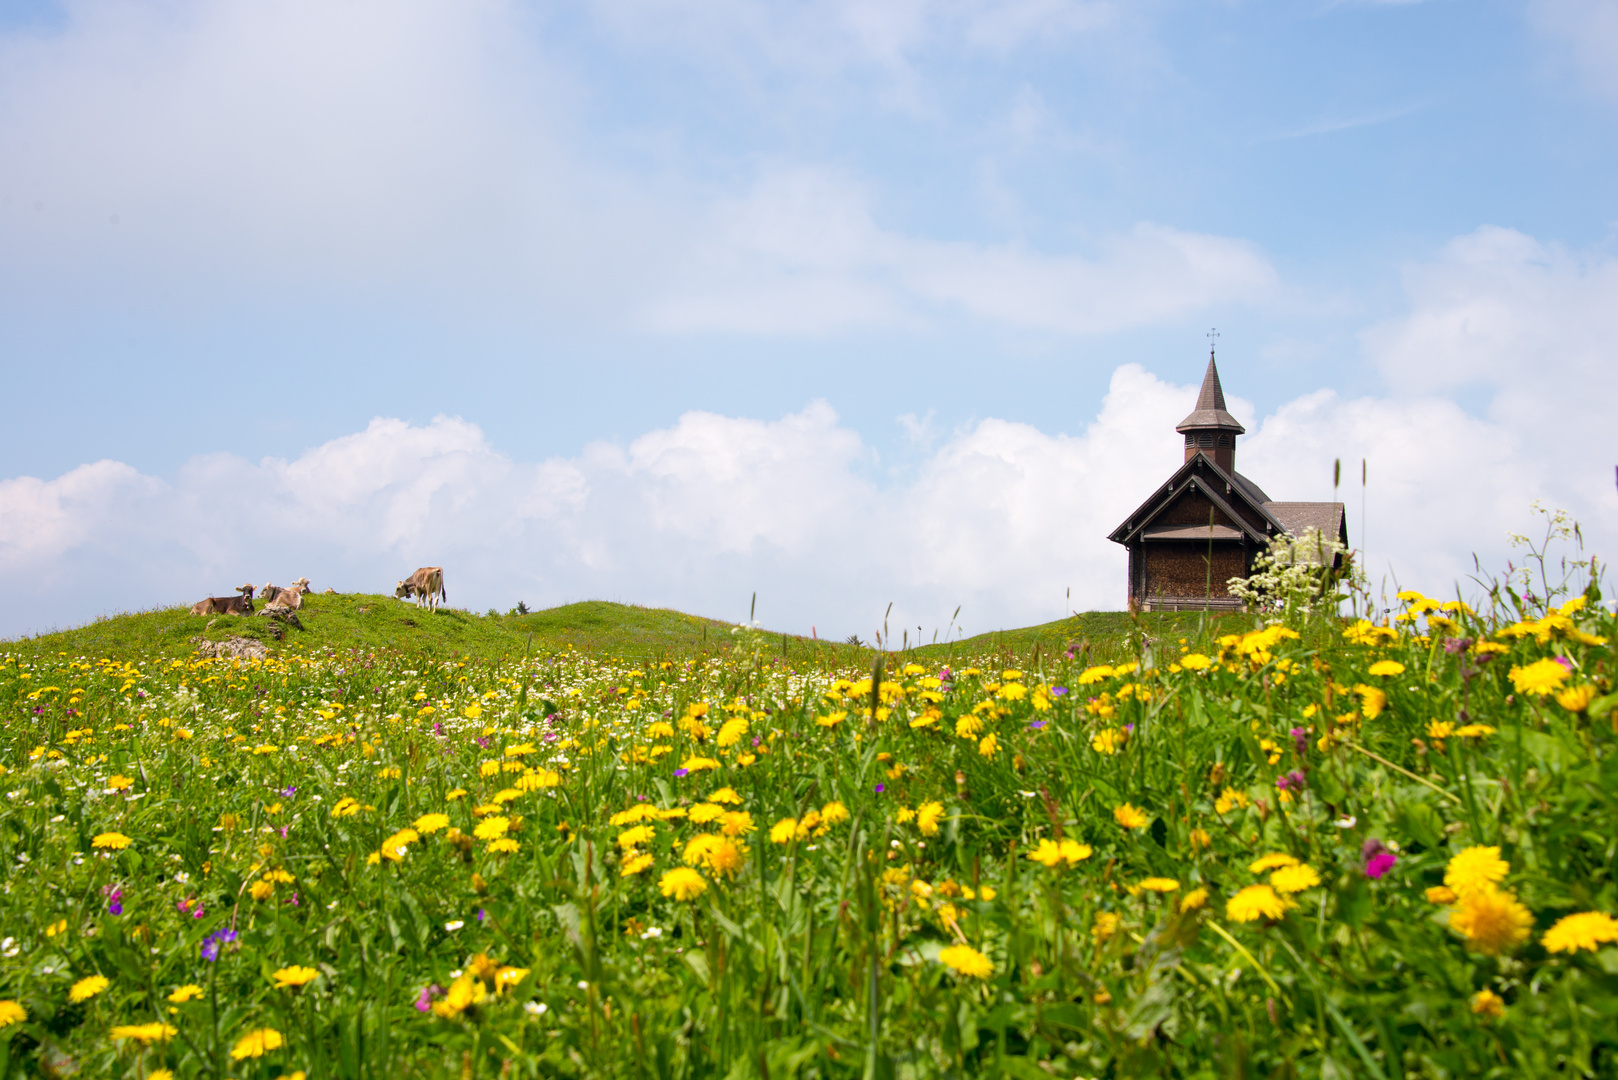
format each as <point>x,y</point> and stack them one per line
<point>1209,428</point>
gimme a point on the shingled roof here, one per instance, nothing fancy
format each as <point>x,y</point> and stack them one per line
<point>1325,518</point>
<point>1210,411</point>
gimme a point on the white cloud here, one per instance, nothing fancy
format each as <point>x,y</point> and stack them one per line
<point>821,38</point>
<point>1585,31</point>
<point>1000,518</point>
<point>191,157</point>
<point>803,252</point>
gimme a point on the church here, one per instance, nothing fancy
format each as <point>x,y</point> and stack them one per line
<point>1205,524</point>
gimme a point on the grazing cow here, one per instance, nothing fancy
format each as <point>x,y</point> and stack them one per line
<point>226,605</point>
<point>426,585</point>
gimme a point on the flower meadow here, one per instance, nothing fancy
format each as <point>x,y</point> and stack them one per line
<point>1324,848</point>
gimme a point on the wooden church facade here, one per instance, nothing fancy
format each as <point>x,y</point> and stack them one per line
<point>1207,522</point>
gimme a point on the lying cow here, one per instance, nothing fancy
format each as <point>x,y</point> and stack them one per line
<point>290,597</point>
<point>426,585</point>
<point>226,605</point>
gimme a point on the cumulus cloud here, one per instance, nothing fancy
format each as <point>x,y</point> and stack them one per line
<point>999,518</point>
<point>193,157</point>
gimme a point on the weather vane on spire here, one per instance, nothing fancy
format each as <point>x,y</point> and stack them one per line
<point>1212,334</point>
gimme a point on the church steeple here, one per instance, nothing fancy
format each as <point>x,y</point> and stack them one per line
<point>1210,428</point>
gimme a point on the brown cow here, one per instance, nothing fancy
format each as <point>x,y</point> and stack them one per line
<point>290,597</point>
<point>426,585</point>
<point>226,605</point>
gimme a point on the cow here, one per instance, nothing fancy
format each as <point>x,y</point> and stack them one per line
<point>226,605</point>
<point>290,597</point>
<point>426,585</point>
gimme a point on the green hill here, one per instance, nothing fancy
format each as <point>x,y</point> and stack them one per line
<point>374,621</point>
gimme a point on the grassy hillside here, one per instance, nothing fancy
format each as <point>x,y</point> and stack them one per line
<point>374,621</point>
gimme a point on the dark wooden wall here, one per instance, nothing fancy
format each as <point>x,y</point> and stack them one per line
<point>1181,569</point>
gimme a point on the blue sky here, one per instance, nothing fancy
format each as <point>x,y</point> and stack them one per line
<point>305,264</point>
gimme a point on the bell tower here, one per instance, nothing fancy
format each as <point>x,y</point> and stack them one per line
<point>1209,428</point>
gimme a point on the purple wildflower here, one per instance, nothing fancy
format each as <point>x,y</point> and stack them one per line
<point>288,792</point>
<point>482,742</point>
<point>482,914</point>
<point>424,1000</point>
<point>438,728</point>
<point>1058,691</point>
<point>1036,725</point>
<point>1457,645</point>
<point>880,788</point>
<point>1300,740</point>
<point>682,772</point>
<point>1564,661</point>
<point>115,899</point>
<point>211,943</point>
<point>1294,779</point>
<point>1378,859</point>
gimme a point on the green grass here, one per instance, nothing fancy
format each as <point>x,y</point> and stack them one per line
<point>375,621</point>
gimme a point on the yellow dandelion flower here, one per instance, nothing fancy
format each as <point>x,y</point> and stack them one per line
<point>1488,1004</point>
<point>294,976</point>
<point>1194,899</point>
<point>633,838</point>
<point>726,795</point>
<point>1475,868</point>
<point>185,993</point>
<point>1272,861</point>
<point>256,1043</point>
<point>87,988</point>
<point>145,1033</point>
<point>989,745</point>
<point>1047,852</point>
<point>261,890</point>
<point>1294,879</point>
<point>1441,894</point>
<point>1586,930</point>
<point>927,816</point>
<point>682,883</point>
<point>702,813</point>
<point>634,864</point>
<point>1130,817</point>
<point>1539,678</point>
<point>504,845</point>
<point>1491,919</point>
<point>1105,926</point>
<point>737,823</point>
<point>1255,902</point>
<point>783,831</point>
<point>965,960</point>
<point>634,815</point>
<point>492,828</point>
<point>1576,698</point>
<point>110,841</point>
<point>431,823</point>
<point>699,848</point>
<point>11,1013</point>
<point>1160,885</point>
<point>1387,667</point>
